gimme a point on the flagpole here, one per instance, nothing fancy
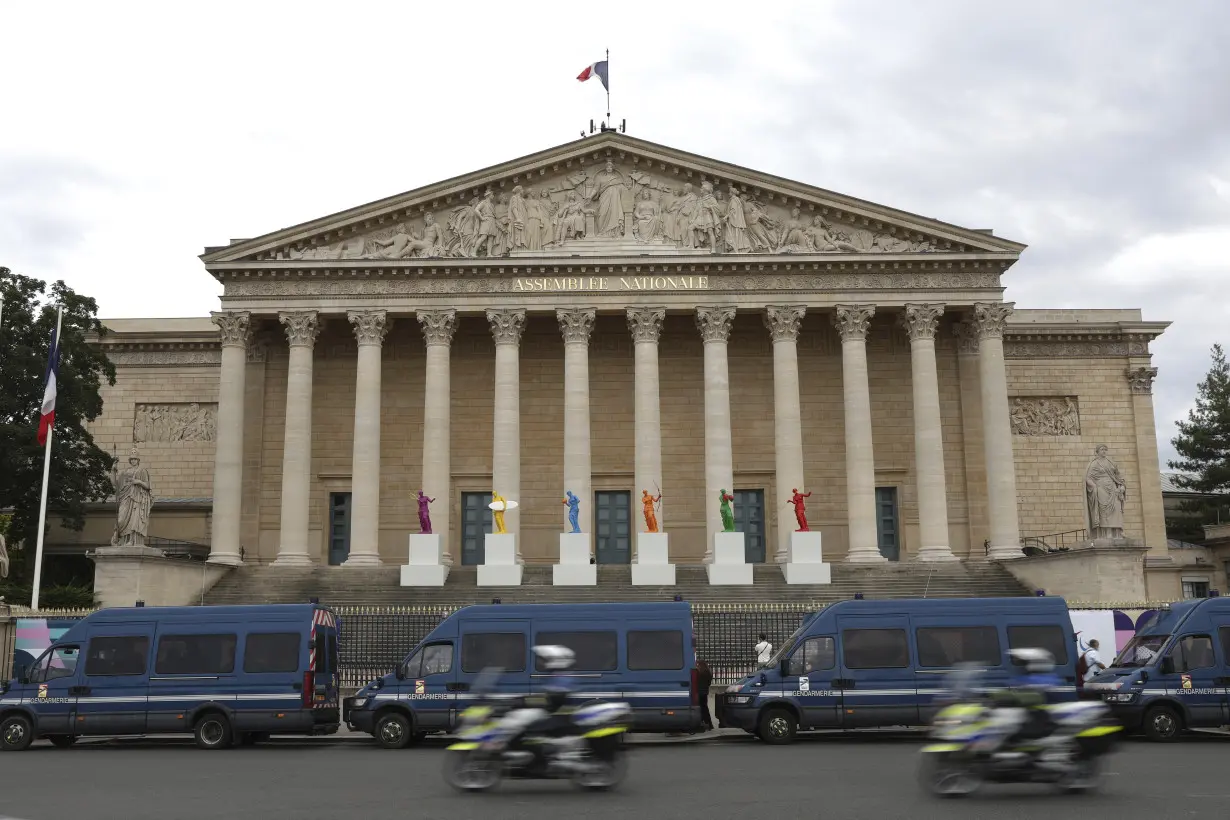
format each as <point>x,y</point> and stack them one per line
<point>42,507</point>
<point>608,86</point>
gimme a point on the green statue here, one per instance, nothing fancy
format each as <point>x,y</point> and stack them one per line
<point>728,516</point>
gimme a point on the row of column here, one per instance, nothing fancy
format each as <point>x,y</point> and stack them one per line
<point>645,325</point>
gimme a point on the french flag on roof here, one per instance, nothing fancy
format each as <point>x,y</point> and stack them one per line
<point>47,416</point>
<point>595,70</point>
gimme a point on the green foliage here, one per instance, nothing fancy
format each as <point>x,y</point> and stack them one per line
<point>79,468</point>
<point>59,596</point>
<point>1203,445</point>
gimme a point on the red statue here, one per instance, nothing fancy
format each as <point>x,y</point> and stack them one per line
<point>800,510</point>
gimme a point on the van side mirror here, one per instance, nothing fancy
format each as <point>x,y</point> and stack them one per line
<point>1167,667</point>
<point>784,668</point>
<point>1144,676</point>
<point>401,671</point>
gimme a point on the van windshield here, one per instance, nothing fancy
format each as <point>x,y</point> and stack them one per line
<point>787,644</point>
<point>1141,650</point>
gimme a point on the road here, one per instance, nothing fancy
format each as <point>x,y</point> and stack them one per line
<point>846,777</point>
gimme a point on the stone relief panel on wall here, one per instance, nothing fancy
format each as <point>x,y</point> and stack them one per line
<point>1046,416</point>
<point>165,423</point>
<point>614,203</point>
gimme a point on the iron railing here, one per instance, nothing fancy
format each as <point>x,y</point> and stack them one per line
<point>1053,542</point>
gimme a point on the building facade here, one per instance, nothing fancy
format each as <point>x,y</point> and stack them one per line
<point>613,317</point>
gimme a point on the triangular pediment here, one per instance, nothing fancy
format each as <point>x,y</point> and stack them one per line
<point>612,195</point>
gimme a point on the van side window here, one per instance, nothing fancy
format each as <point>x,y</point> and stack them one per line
<point>483,650</point>
<point>60,662</point>
<point>1224,633</point>
<point>815,655</point>
<point>1050,638</point>
<point>1193,652</point>
<point>123,655</point>
<point>595,651</point>
<point>195,655</point>
<point>875,648</point>
<point>272,652</point>
<point>947,646</point>
<point>656,650</point>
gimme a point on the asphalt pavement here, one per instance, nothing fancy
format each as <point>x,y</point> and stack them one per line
<point>849,777</point>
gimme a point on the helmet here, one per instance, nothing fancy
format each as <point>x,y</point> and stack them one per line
<point>1034,660</point>
<point>555,658</point>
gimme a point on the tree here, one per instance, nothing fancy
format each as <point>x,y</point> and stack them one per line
<point>79,468</point>
<point>1203,443</point>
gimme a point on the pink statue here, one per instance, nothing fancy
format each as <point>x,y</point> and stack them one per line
<point>800,510</point>
<point>424,513</point>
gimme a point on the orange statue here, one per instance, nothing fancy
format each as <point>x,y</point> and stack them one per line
<point>651,519</point>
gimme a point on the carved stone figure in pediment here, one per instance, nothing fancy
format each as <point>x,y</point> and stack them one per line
<point>679,215</point>
<point>515,219</point>
<point>794,234</point>
<point>736,225</point>
<point>538,212</point>
<point>761,229</point>
<point>647,220</point>
<point>606,194</point>
<point>570,219</point>
<point>707,222</point>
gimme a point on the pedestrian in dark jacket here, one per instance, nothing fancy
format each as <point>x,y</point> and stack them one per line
<point>704,682</point>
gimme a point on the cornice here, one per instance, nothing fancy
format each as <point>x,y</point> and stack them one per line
<point>164,353</point>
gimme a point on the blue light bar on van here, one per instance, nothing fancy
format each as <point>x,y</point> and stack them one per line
<point>1041,593</point>
<point>858,596</point>
<point>678,598</point>
<point>495,600</point>
<point>1214,593</point>
<point>139,604</point>
<point>313,600</point>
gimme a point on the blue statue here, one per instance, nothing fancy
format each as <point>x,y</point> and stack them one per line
<point>574,510</point>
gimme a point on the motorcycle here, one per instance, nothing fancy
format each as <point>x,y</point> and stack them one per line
<point>967,748</point>
<point>496,739</point>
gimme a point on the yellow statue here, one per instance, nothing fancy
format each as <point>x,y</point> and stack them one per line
<point>496,498</point>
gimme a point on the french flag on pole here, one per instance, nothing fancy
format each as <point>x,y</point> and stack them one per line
<point>595,70</point>
<point>48,414</point>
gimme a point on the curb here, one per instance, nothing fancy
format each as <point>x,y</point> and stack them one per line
<point>355,738</point>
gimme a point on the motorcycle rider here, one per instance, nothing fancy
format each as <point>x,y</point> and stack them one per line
<point>555,724</point>
<point>1019,712</point>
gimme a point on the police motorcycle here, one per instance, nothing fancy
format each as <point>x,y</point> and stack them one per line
<point>537,738</point>
<point>1014,737</point>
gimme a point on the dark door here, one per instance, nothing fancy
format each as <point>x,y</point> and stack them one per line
<point>476,524</point>
<point>1190,670</point>
<point>877,677</point>
<point>613,527</point>
<point>114,692</point>
<point>339,528</point>
<point>430,685</point>
<point>54,684</point>
<point>810,671</point>
<point>749,520</point>
<point>1222,681</point>
<point>887,523</point>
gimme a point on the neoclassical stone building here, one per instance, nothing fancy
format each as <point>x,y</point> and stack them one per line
<point>612,316</point>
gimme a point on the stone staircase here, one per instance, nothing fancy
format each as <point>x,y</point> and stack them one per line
<point>380,586</point>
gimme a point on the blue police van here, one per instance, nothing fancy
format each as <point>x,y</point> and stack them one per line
<point>1174,674</point>
<point>638,653</point>
<point>862,664</point>
<point>227,674</point>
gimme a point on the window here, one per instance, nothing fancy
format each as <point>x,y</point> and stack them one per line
<point>1224,632</point>
<point>875,648</point>
<point>195,655</point>
<point>476,524</point>
<point>947,646</point>
<point>596,651</point>
<point>1051,638</point>
<point>60,662</point>
<point>499,650</point>
<point>657,650</point>
<point>1193,652</point>
<point>123,655</point>
<point>749,520</point>
<point>1196,589</point>
<point>815,655</point>
<point>326,652</point>
<point>272,652</point>
<point>887,523</point>
<point>433,659</point>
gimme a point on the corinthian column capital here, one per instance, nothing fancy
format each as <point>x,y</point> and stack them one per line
<point>576,324</point>
<point>990,318</point>
<point>645,324</point>
<point>235,326</point>
<point>301,327</point>
<point>507,325</point>
<point>783,321</point>
<point>714,323</point>
<point>921,320</point>
<point>438,326</point>
<point>852,321</point>
<point>369,326</point>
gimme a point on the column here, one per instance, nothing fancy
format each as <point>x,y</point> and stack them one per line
<point>645,325</point>
<point>369,329</point>
<point>783,323</point>
<point>989,320</point>
<point>577,325</point>
<point>438,328</point>
<point>714,324</point>
<point>507,325</point>
<point>920,322</point>
<point>224,547</point>
<point>972,454</point>
<point>852,322</point>
<point>1153,515</point>
<point>301,330</point>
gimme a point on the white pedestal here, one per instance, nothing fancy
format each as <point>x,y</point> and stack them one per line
<point>424,568</point>
<point>730,564</point>
<point>574,568</point>
<point>806,564</point>
<point>500,567</point>
<point>653,567</point>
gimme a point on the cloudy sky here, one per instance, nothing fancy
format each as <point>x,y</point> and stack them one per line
<point>1098,132</point>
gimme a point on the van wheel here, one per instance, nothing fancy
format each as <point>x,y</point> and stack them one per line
<point>212,731</point>
<point>16,733</point>
<point>778,727</point>
<point>393,731</point>
<point>1163,724</point>
<point>62,741</point>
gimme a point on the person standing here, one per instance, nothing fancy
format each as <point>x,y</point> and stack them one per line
<point>764,650</point>
<point>1094,660</point>
<point>704,683</point>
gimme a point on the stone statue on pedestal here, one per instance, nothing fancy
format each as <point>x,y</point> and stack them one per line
<point>1105,494</point>
<point>425,513</point>
<point>574,510</point>
<point>133,498</point>
<point>728,515</point>
<point>800,510</point>
<point>4,558</point>
<point>648,501</point>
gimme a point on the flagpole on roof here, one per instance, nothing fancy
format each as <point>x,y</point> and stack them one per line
<point>42,507</point>
<point>608,85</point>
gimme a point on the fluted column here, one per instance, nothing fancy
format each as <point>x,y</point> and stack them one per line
<point>645,325</point>
<point>783,323</point>
<point>369,329</point>
<point>577,325</point>
<point>920,322</point>
<point>507,324</point>
<point>438,328</point>
<point>715,324</point>
<point>224,546</point>
<point>989,321</point>
<point>301,330</point>
<point>852,322</point>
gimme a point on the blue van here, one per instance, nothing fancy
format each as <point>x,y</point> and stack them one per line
<point>639,653</point>
<point>1174,674</point>
<point>861,664</point>
<point>225,673</point>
